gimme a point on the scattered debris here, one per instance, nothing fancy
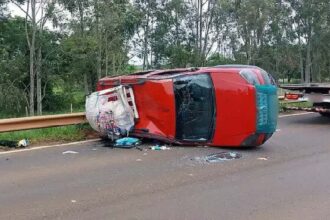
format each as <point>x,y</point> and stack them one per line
<point>145,154</point>
<point>70,152</point>
<point>23,143</point>
<point>202,146</point>
<point>262,158</point>
<point>15,144</point>
<point>127,142</point>
<point>277,130</point>
<point>139,160</point>
<point>223,156</point>
<point>199,159</point>
<point>94,149</point>
<point>157,147</point>
<point>139,148</point>
<point>73,201</point>
<point>217,157</point>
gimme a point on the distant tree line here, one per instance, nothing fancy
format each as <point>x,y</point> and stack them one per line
<point>54,55</point>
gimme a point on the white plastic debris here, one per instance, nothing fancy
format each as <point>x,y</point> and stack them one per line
<point>157,147</point>
<point>262,158</point>
<point>218,157</point>
<point>70,152</point>
<point>23,143</point>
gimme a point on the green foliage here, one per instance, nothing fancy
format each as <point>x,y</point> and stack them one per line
<point>13,66</point>
<point>289,39</point>
<point>219,59</point>
<point>284,104</point>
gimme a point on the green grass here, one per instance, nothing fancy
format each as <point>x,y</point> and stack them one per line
<point>63,133</point>
<point>283,104</point>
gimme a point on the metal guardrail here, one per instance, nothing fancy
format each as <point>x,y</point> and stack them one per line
<point>17,124</point>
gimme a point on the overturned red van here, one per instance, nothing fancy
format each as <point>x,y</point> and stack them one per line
<point>228,105</point>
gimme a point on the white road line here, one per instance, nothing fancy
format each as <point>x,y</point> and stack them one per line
<point>305,113</point>
<point>51,146</point>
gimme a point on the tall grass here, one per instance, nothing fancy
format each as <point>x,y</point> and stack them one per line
<point>63,133</point>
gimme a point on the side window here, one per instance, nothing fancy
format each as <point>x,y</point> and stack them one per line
<point>195,107</point>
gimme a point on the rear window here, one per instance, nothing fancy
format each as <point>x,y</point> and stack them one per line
<point>195,107</point>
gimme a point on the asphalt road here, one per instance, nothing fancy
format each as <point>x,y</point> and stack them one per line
<point>104,183</point>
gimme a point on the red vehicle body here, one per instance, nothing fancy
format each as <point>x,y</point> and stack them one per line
<point>215,106</point>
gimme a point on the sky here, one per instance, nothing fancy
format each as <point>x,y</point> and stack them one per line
<point>15,11</point>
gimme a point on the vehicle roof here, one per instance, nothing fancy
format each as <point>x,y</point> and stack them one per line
<point>170,73</point>
<point>309,86</point>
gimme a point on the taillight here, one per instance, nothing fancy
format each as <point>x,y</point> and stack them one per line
<point>292,96</point>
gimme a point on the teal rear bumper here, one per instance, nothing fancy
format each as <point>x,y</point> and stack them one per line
<point>267,108</point>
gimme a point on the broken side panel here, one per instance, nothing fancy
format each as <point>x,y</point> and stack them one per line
<point>156,107</point>
<point>111,111</point>
<point>195,107</point>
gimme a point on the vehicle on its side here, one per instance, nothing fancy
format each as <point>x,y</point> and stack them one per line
<point>229,105</point>
<point>316,93</point>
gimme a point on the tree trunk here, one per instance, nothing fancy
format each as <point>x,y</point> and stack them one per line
<point>113,64</point>
<point>32,57</point>
<point>145,44</point>
<point>301,61</point>
<point>197,34</point>
<point>39,66</point>
<point>99,41</point>
<point>38,75</point>
<point>200,32</point>
<point>86,89</point>
<point>106,54</point>
<point>308,63</point>
<point>31,94</point>
<point>82,34</point>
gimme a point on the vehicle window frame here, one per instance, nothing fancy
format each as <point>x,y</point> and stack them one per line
<point>211,127</point>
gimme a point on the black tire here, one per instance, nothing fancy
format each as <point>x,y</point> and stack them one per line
<point>325,114</point>
<point>324,105</point>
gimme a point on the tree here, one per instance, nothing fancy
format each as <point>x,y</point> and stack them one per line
<point>312,24</point>
<point>13,67</point>
<point>36,15</point>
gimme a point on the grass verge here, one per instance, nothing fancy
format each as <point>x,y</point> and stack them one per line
<point>55,134</point>
<point>284,104</point>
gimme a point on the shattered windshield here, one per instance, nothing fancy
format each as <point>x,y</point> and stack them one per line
<point>195,109</point>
